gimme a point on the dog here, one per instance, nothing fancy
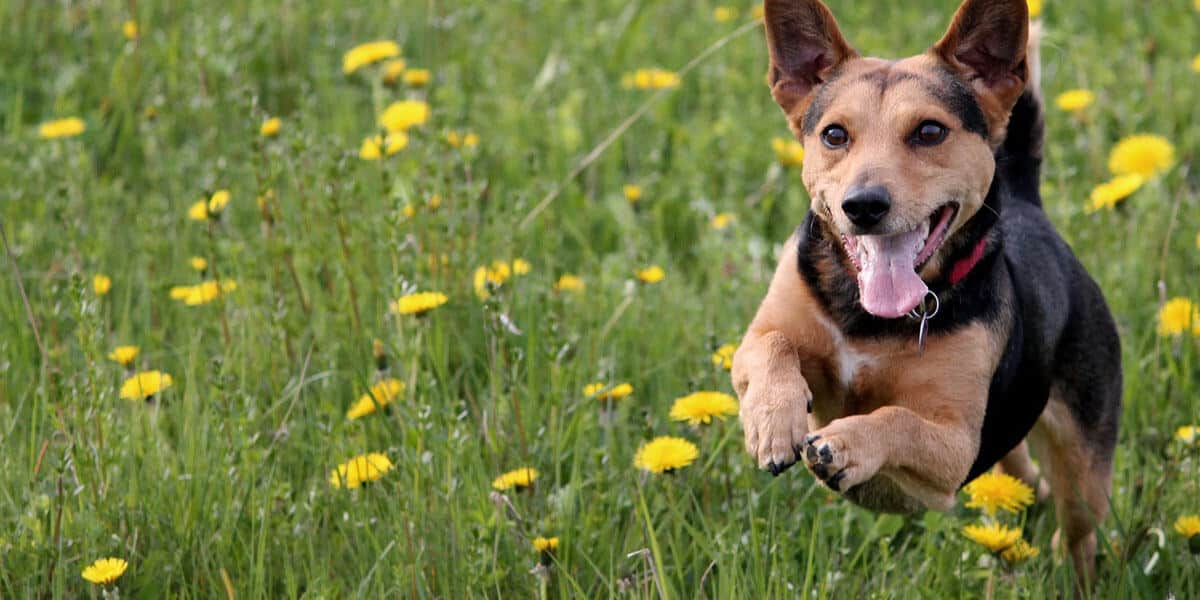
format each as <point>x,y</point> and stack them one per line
<point>926,321</point>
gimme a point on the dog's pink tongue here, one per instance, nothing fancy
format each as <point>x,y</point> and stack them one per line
<point>888,281</point>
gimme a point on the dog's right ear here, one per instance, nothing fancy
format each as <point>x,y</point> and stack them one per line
<point>805,45</point>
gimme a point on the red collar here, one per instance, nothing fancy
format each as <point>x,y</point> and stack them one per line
<point>963,267</point>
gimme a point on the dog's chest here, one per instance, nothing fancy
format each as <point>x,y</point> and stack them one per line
<point>852,376</point>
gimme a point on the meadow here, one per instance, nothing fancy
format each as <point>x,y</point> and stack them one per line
<point>261,268</point>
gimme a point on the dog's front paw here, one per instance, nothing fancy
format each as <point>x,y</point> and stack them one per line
<point>774,418</point>
<point>841,455</point>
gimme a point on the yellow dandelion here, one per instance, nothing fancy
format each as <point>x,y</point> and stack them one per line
<point>61,128</point>
<point>724,14</point>
<point>361,469</point>
<point>203,209</point>
<point>130,29</point>
<point>665,454</point>
<point>458,139</point>
<point>1177,316</point>
<point>650,275</point>
<point>199,263</point>
<point>375,147</point>
<point>270,127</point>
<point>569,283</point>
<point>789,153</point>
<point>1074,101</point>
<point>651,79</point>
<point>544,544</point>
<point>105,570</point>
<point>632,192</point>
<point>702,407</point>
<point>1146,155</point>
<point>125,355</point>
<point>1035,8</point>
<point>367,54</point>
<point>380,395</point>
<point>1188,526</point>
<point>1111,193</point>
<point>721,221</point>
<point>418,303</point>
<point>601,391</point>
<point>202,293</point>
<point>756,12</point>
<point>145,384</point>
<point>393,70</point>
<point>992,491</point>
<point>1188,434</point>
<point>488,278</point>
<point>101,284</point>
<point>403,115</point>
<point>1019,552</point>
<point>521,266</point>
<point>417,77</point>
<point>723,357</point>
<point>515,479</point>
<point>1196,63</point>
<point>995,537</point>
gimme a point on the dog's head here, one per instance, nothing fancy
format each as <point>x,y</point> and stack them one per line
<point>899,154</point>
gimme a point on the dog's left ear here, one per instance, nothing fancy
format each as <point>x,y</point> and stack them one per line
<point>986,45</point>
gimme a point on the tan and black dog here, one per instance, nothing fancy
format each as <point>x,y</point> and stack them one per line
<point>926,319</point>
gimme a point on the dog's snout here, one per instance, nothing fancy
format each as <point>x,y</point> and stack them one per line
<point>866,206</point>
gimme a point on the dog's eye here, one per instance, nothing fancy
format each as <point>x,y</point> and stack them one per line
<point>835,137</point>
<point>930,133</point>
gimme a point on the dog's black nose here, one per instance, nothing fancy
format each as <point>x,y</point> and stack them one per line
<point>865,207</point>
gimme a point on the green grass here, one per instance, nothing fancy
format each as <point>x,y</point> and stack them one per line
<point>223,480</point>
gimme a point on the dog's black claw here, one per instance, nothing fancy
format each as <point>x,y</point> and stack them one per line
<point>810,406</point>
<point>810,454</point>
<point>826,455</point>
<point>820,471</point>
<point>835,482</point>
<point>811,439</point>
<point>773,468</point>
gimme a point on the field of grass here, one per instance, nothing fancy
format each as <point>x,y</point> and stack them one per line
<point>219,486</point>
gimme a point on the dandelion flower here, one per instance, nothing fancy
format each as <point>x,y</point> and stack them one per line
<point>375,147</point>
<point>702,407</point>
<point>1035,8</point>
<point>202,293</point>
<point>393,70</point>
<point>380,395</point>
<point>458,139</point>
<point>404,114</point>
<point>199,263</point>
<point>367,54</point>
<point>995,537</point>
<point>417,77</point>
<point>361,469</point>
<point>1146,155</point>
<point>721,221</point>
<point>418,303</point>
<point>650,275</point>
<point>724,14</point>
<point>515,479</point>
<point>723,357</point>
<point>521,266</point>
<point>145,384</point>
<point>601,391</point>
<point>665,454</point>
<point>203,209</point>
<point>1074,101</point>
<point>632,192</point>
<point>1113,192</point>
<point>1019,552</point>
<point>1196,63</point>
<point>756,12</point>
<point>651,79</point>
<point>1188,526</point>
<point>61,128</point>
<point>105,570</point>
<point>130,29</point>
<point>1177,316</point>
<point>992,491</point>
<point>101,284</point>
<point>569,283</point>
<point>270,127</point>
<point>789,153</point>
<point>125,355</point>
<point>1188,434</point>
<point>543,544</point>
<point>487,278</point>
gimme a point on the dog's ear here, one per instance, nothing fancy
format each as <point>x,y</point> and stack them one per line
<point>986,45</point>
<point>805,45</point>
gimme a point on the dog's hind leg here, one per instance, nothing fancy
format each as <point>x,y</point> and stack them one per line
<point>1018,464</point>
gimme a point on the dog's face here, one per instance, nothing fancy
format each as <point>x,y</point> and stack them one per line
<point>899,155</point>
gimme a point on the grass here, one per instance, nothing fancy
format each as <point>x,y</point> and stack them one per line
<point>219,487</point>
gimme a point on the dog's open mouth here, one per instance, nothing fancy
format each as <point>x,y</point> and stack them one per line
<point>887,265</point>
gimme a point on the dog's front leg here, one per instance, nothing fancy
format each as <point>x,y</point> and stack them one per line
<point>774,399</point>
<point>927,459</point>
